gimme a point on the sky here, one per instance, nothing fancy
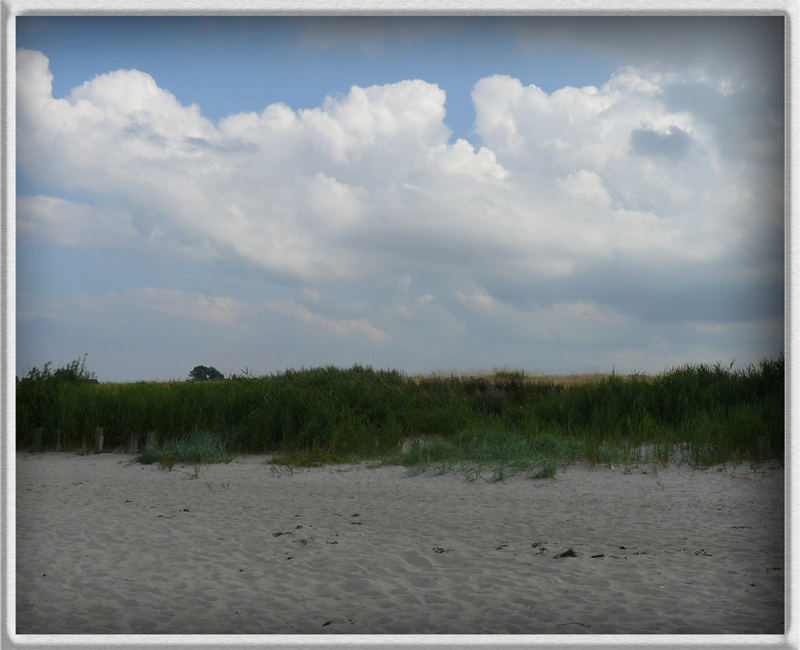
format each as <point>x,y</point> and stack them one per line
<point>429,194</point>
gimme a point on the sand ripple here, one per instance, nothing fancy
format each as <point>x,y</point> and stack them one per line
<point>104,546</point>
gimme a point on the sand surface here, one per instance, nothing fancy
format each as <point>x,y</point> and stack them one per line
<point>106,546</point>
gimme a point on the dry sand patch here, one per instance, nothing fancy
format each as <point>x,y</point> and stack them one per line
<point>105,546</point>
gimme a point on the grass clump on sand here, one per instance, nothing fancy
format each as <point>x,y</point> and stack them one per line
<point>488,426</point>
<point>485,452</point>
<point>200,449</point>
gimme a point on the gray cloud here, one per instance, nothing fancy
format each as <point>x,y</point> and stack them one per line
<point>673,145</point>
<point>749,47</point>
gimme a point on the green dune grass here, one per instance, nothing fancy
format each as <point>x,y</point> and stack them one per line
<point>490,426</point>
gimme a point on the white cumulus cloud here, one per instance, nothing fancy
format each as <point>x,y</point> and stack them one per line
<point>562,180</point>
<point>354,198</point>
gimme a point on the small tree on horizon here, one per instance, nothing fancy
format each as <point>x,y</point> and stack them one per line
<point>205,373</point>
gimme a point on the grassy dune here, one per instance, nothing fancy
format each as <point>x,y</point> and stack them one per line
<point>486,425</point>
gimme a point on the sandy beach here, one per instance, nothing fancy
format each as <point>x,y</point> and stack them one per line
<point>107,546</point>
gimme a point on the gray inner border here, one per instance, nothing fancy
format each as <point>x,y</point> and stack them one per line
<point>9,9</point>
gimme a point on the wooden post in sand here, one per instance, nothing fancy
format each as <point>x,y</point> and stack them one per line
<point>38,432</point>
<point>151,440</point>
<point>133,443</point>
<point>98,440</point>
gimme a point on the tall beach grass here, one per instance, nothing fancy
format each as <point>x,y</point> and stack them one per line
<point>488,425</point>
